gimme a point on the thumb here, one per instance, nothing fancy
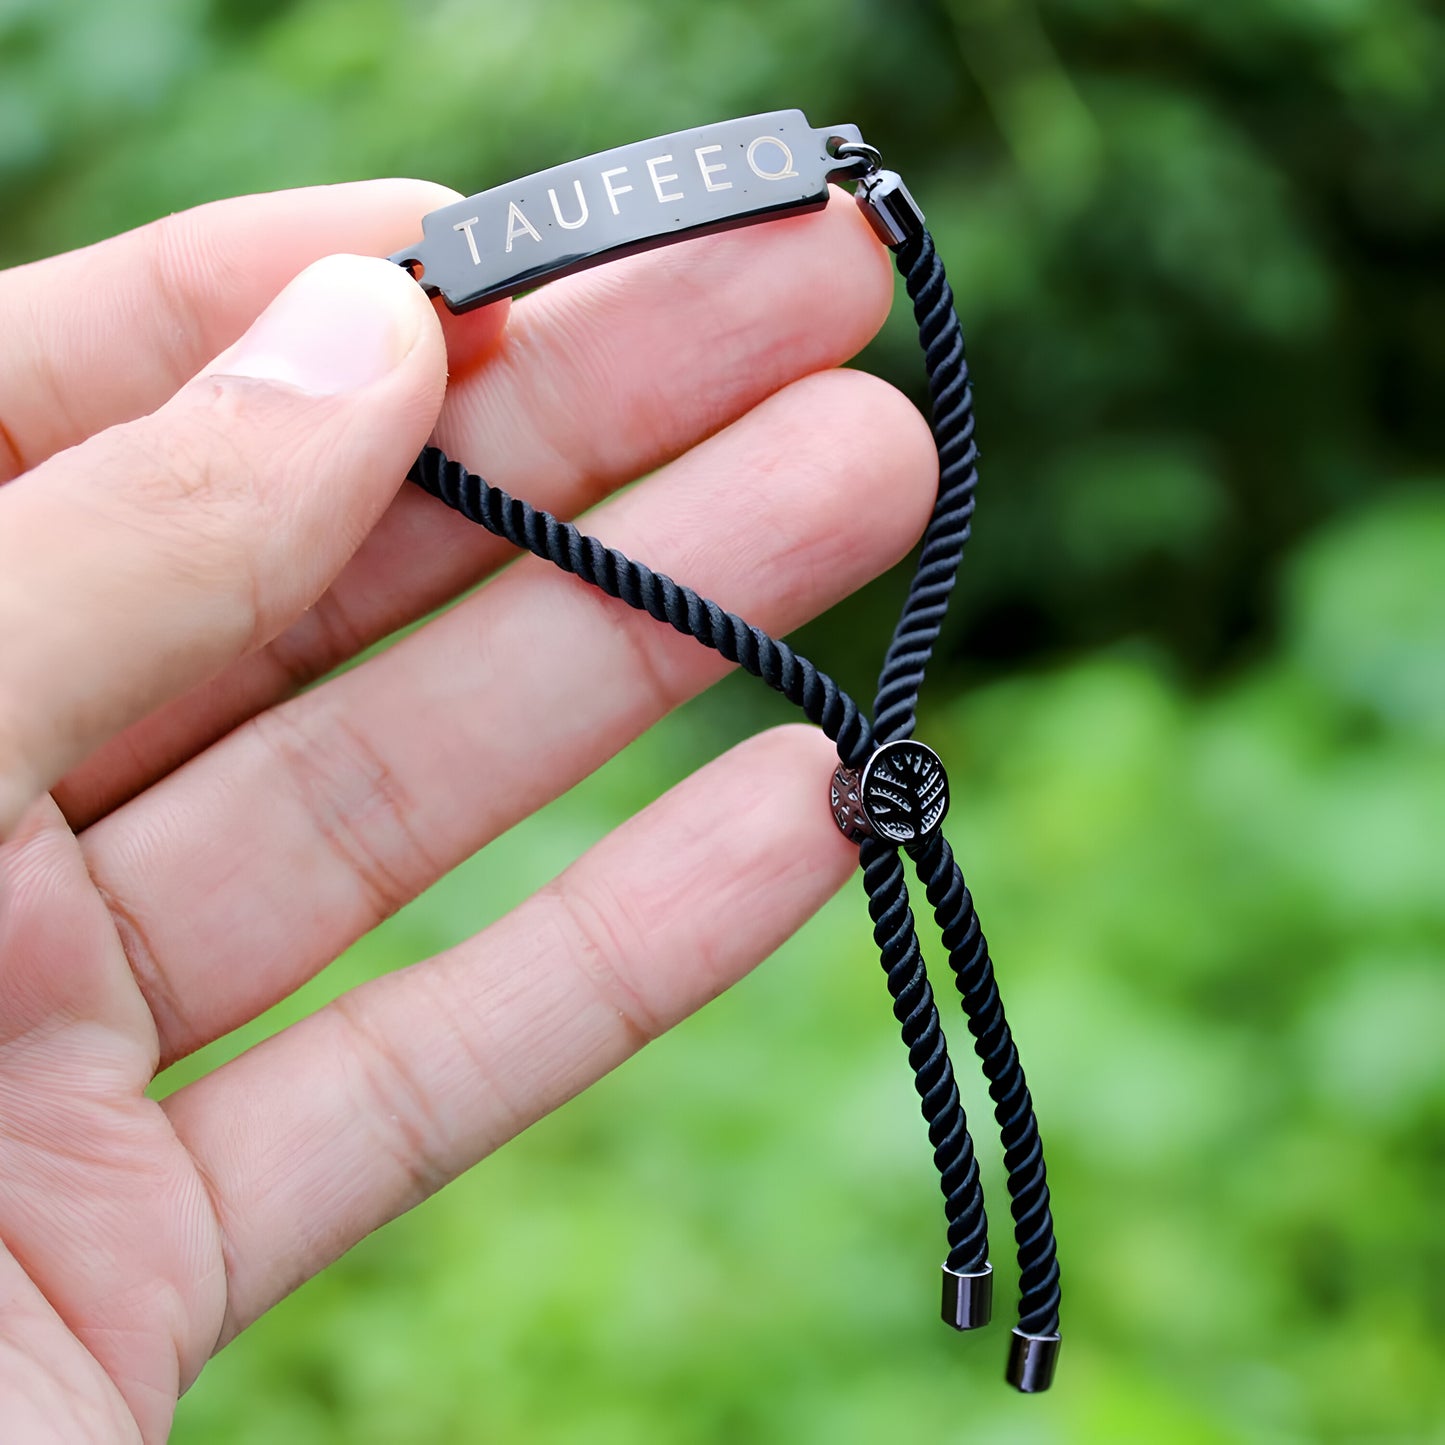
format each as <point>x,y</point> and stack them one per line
<point>144,560</point>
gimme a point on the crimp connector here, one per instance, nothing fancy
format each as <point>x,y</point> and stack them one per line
<point>892,212</point>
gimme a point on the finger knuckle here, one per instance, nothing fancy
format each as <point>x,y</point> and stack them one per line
<point>608,944</point>
<point>360,809</point>
<point>395,1103</point>
<point>190,491</point>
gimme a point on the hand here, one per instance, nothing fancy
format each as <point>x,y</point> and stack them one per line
<point>185,543</point>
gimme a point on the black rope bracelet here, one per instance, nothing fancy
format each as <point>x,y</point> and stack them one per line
<point>889,792</point>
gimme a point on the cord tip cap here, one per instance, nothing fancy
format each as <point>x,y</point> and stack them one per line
<point>967,1298</point>
<point>892,212</point>
<point>1031,1362</point>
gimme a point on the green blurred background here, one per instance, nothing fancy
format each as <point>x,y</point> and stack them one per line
<point>1193,699</point>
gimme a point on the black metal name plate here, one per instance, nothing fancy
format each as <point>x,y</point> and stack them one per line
<point>713,178</point>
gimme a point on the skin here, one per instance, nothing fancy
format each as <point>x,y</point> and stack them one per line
<point>201,512</point>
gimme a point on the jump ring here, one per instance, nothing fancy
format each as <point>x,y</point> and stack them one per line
<point>860,150</point>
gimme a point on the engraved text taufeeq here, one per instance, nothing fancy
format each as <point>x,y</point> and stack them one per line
<point>713,178</point>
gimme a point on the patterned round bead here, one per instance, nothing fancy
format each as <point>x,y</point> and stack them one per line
<point>904,791</point>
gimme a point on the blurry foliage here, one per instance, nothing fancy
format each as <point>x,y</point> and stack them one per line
<point>1200,253</point>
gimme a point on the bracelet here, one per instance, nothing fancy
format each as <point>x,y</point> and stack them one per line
<point>889,792</point>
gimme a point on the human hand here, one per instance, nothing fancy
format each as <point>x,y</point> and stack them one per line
<point>186,543</point>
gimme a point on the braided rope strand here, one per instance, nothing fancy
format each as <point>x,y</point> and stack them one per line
<point>805,685</point>
<point>832,709</point>
<point>951,395</point>
<point>824,703</point>
<point>968,957</point>
<point>894,711</point>
<point>917,1013</point>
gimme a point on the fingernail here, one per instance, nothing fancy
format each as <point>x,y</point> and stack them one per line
<point>342,324</point>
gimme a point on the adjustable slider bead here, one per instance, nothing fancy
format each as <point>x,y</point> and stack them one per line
<point>967,1298</point>
<point>904,792</point>
<point>1031,1361</point>
<point>847,807</point>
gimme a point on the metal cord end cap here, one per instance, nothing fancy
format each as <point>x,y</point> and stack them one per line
<point>967,1298</point>
<point>892,212</point>
<point>1031,1361</point>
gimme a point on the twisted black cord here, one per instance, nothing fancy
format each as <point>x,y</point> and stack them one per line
<point>825,704</point>
<point>1013,1107</point>
<point>951,394</point>
<point>917,1013</point>
<point>894,710</point>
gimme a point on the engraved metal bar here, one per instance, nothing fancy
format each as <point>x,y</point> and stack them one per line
<point>618,202</point>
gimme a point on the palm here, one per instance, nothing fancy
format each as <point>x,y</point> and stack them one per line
<point>103,1207</point>
<point>169,580</point>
